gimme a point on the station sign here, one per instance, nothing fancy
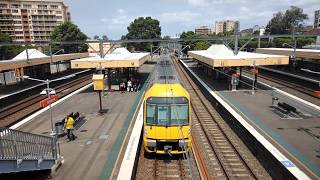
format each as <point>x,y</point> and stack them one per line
<point>48,101</point>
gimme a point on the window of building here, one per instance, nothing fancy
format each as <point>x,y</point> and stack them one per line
<point>27,6</point>
<point>59,17</point>
<point>15,5</point>
<point>54,7</point>
<point>58,12</point>
<point>15,11</point>
<point>16,17</point>
<point>17,22</point>
<point>3,5</point>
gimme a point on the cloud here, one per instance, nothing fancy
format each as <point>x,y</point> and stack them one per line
<point>121,11</point>
<point>174,17</point>
<point>199,3</point>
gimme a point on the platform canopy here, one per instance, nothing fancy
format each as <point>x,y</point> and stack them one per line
<point>119,58</point>
<point>30,53</point>
<point>219,55</point>
<point>36,57</point>
<point>301,53</point>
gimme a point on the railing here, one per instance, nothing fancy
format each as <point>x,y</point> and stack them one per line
<point>17,145</point>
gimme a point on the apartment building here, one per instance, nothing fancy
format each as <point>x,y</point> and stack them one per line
<point>219,27</point>
<point>31,20</point>
<point>203,30</point>
<point>226,26</point>
<point>317,19</point>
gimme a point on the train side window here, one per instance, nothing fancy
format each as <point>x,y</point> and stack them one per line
<point>151,111</point>
<point>179,114</point>
<point>163,115</point>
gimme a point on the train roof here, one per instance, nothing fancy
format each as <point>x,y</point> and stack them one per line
<point>166,90</point>
<point>165,72</point>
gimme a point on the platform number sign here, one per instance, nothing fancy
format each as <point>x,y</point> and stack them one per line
<point>287,163</point>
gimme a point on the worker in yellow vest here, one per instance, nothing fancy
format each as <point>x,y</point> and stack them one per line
<point>69,125</point>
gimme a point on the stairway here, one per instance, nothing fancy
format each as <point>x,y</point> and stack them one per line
<point>22,151</point>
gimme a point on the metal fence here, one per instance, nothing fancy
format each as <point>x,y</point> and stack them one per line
<point>16,145</point>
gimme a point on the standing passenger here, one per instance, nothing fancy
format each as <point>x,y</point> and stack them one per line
<point>129,85</point>
<point>69,125</point>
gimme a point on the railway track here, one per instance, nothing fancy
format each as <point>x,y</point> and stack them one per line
<point>163,167</point>
<point>301,88</point>
<point>222,153</point>
<point>15,112</point>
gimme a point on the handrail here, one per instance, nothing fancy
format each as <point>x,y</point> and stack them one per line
<point>18,145</point>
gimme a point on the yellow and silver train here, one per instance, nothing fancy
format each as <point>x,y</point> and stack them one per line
<point>167,117</point>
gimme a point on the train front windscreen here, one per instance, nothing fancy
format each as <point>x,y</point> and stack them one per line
<point>165,111</point>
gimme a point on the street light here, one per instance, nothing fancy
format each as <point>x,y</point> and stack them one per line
<point>49,91</point>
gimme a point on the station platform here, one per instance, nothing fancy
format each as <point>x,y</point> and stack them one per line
<point>295,135</point>
<point>99,136</point>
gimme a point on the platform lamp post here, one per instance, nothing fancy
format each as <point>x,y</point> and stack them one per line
<point>49,91</point>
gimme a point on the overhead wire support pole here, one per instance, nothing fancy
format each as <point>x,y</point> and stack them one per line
<point>101,49</point>
<point>245,44</point>
<point>110,49</point>
<point>236,45</point>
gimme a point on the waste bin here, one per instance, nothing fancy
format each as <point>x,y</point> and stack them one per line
<point>59,128</point>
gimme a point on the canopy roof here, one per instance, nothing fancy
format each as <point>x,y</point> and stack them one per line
<point>219,55</point>
<point>313,54</point>
<point>32,53</point>
<point>120,57</point>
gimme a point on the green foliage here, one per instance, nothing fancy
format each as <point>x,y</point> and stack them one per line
<point>166,37</point>
<point>201,45</point>
<point>96,37</point>
<point>105,38</point>
<point>286,23</point>
<point>143,28</point>
<point>8,52</point>
<point>69,32</point>
<point>194,45</point>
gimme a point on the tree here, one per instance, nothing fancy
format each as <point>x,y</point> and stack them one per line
<point>69,32</point>
<point>195,45</point>
<point>105,38</point>
<point>288,22</point>
<point>143,28</point>
<point>201,45</point>
<point>166,37</point>
<point>96,37</point>
<point>8,52</point>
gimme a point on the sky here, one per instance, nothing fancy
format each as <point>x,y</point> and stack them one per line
<point>99,17</point>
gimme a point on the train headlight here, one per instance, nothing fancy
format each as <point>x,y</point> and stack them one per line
<point>151,143</point>
<point>183,143</point>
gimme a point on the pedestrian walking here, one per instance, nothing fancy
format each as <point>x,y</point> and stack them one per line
<point>69,125</point>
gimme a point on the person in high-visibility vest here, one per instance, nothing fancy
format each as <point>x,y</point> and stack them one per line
<point>69,125</point>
